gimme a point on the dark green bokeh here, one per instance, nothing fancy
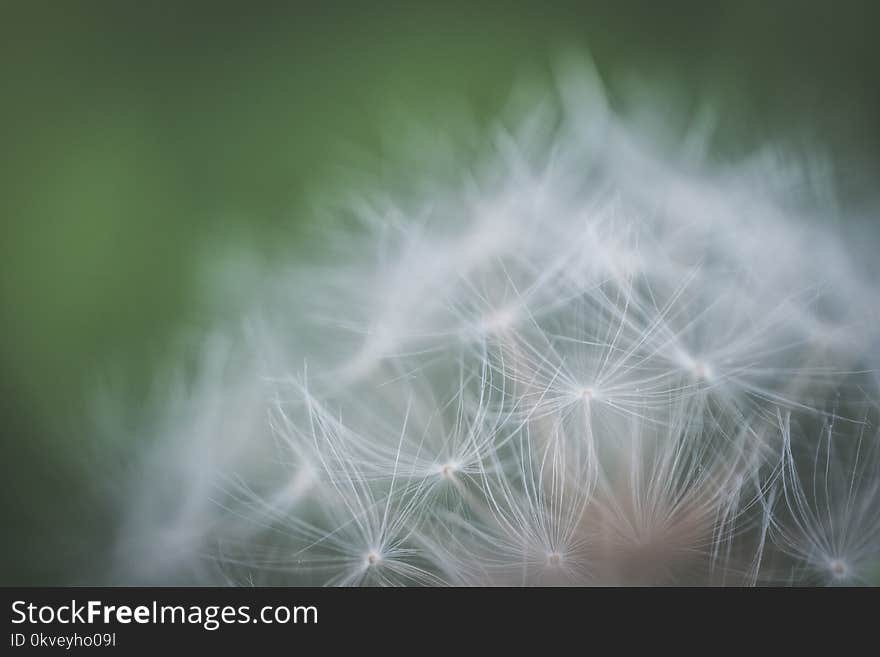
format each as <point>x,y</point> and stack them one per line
<point>137,135</point>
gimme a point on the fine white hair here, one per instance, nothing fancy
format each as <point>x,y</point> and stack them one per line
<point>575,359</point>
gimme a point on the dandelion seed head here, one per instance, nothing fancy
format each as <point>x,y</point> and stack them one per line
<point>588,393</point>
<point>838,569</point>
<point>701,370</point>
<point>575,363</point>
<point>448,470</point>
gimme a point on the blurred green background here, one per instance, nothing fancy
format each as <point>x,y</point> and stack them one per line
<point>135,137</point>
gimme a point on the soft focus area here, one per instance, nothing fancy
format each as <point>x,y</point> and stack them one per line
<point>142,145</point>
